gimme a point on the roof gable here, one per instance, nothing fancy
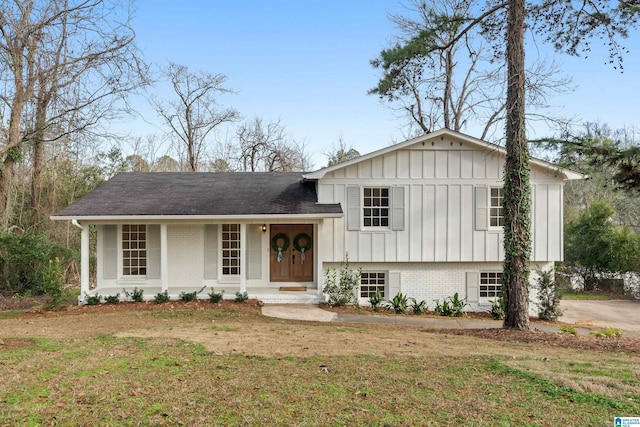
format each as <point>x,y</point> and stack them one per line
<point>441,135</point>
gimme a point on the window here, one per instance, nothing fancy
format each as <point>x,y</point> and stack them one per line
<point>230,249</point>
<point>496,218</point>
<point>490,285</point>
<point>376,207</point>
<point>371,282</point>
<point>134,250</point>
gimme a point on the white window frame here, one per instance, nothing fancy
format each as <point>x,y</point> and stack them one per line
<point>121,250</point>
<point>493,285</point>
<point>496,211</point>
<point>234,246</point>
<point>375,203</point>
<point>384,284</point>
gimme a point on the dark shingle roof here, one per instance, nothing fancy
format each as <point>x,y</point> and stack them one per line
<point>201,194</point>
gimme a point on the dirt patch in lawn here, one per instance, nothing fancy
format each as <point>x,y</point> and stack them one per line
<point>233,328</point>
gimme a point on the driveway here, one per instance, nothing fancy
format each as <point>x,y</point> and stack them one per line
<point>620,314</point>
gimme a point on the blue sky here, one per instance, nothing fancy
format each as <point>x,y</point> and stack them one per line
<point>307,64</point>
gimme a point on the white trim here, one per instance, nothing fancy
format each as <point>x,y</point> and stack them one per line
<point>319,174</point>
<point>164,258</point>
<point>238,219</point>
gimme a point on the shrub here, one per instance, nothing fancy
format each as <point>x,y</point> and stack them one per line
<point>215,297</point>
<point>451,307</point>
<point>112,299</point>
<point>398,303</point>
<point>418,307</point>
<point>497,309</point>
<point>569,329</point>
<point>548,297</point>
<point>341,285</point>
<point>376,300</point>
<point>241,297</point>
<point>24,258</point>
<point>190,296</point>
<point>610,332</point>
<point>135,295</point>
<point>162,297</point>
<point>53,283</point>
<point>92,299</point>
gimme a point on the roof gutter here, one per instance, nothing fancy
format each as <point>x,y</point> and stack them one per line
<point>77,224</point>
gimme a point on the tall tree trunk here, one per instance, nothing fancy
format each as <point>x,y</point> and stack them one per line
<point>517,191</point>
<point>38,155</point>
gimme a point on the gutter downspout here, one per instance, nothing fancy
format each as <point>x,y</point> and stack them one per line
<point>84,260</point>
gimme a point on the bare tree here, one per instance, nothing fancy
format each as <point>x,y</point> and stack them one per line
<point>268,147</point>
<point>458,84</point>
<point>194,114</point>
<point>340,152</point>
<point>66,64</point>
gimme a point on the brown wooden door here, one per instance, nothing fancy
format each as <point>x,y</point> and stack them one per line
<point>292,267</point>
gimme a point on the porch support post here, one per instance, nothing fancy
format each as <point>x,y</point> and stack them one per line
<point>319,259</point>
<point>243,258</point>
<point>84,261</point>
<point>164,266</point>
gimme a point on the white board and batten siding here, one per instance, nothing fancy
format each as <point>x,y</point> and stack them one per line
<point>445,188</point>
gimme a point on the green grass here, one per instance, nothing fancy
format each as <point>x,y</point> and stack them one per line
<point>569,294</point>
<point>10,314</point>
<point>106,380</point>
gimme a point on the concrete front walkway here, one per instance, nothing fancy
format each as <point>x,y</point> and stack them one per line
<point>314,313</point>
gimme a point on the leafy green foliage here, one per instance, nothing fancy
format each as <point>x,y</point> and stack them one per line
<point>548,297</point>
<point>215,297</point>
<point>497,309</point>
<point>399,303</point>
<point>161,297</point>
<point>92,299</point>
<point>609,332</point>
<point>112,299</point>
<point>190,296</point>
<point>241,296</point>
<point>596,246</point>
<point>418,307</point>
<point>569,329</point>
<point>53,283</point>
<point>341,285</point>
<point>24,258</point>
<point>135,295</point>
<point>376,300</point>
<point>451,306</point>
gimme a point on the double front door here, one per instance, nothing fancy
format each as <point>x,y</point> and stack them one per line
<point>291,258</point>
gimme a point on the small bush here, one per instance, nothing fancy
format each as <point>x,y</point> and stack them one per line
<point>190,296</point>
<point>112,299</point>
<point>135,295</point>
<point>548,297</point>
<point>53,283</point>
<point>92,299</point>
<point>398,303</point>
<point>341,285</point>
<point>241,297</point>
<point>418,307</point>
<point>569,329</point>
<point>376,300</point>
<point>162,297</point>
<point>497,309</point>
<point>451,307</point>
<point>215,297</point>
<point>610,332</point>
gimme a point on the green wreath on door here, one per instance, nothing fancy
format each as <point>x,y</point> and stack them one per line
<point>306,248</point>
<point>280,249</point>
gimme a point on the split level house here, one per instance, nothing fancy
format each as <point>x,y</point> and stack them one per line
<point>423,217</point>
